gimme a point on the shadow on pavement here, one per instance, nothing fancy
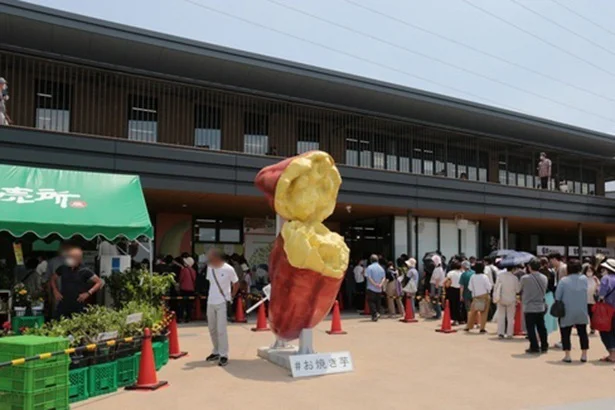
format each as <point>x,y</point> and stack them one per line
<point>253,369</point>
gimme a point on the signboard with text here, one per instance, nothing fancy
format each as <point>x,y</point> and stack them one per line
<point>608,252</point>
<point>573,251</point>
<point>544,250</point>
<point>319,364</point>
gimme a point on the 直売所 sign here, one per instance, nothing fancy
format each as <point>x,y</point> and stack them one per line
<point>303,365</point>
<point>574,251</point>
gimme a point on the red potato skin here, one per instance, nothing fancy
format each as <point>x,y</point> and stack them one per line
<point>300,298</point>
<point>268,177</point>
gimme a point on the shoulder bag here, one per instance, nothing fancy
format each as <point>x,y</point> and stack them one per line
<point>602,317</point>
<point>558,309</point>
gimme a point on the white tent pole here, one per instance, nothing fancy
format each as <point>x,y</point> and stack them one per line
<point>151,256</point>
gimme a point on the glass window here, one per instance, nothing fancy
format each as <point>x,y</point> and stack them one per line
<point>142,118</point>
<point>502,176</point>
<point>392,154</point>
<point>229,231</point>
<point>53,106</point>
<point>255,137</point>
<point>308,136</point>
<point>352,151</point>
<point>207,127</point>
<point>218,230</point>
<point>205,230</point>
<point>482,174</point>
<point>472,174</point>
<point>365,154</point>
<point>449,238</point>
<point>404,164</point>
<point>520,179</point>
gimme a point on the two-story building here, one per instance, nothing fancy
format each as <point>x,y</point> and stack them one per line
<point>197,121</point>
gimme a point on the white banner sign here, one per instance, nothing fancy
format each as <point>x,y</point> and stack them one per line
<point>320,364</point>
<point>134,318</point>
<point>608,252</point>
<point>544,250</point>
<point>574,251</point>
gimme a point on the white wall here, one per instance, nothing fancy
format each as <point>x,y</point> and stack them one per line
<point>449,238</point>
<point>400,236</point>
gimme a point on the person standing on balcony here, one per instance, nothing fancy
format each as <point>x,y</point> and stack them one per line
<point>4,97</point>
<point>544,171</point>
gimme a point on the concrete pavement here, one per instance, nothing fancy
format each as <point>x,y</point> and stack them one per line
<point>397,366</point>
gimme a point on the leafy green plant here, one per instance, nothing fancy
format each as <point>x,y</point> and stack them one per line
<point>138,285</point>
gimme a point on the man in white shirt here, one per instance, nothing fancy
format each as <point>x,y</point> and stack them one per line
<point>453,294</point>
<point>436,283</point>
<point>223,286</point>
<point>505,292</point>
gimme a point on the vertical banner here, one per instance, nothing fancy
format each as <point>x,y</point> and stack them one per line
<point>18,253</point>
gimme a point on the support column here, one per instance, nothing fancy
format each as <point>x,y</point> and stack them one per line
<point>410,234</point>
<point>503,242</point>
<point>580,240</point>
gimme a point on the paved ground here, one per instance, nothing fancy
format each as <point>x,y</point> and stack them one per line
<point>397,366</point>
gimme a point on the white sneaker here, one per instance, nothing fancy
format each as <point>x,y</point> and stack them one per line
<point>558,345</point>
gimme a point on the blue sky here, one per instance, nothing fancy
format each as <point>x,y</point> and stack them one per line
<point>559,60</point>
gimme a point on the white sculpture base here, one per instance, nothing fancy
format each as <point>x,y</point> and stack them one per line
<point>279,357</point>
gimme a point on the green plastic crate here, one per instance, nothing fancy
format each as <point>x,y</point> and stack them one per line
<point>55,398</point>
<point>165,352</point>
<point>158,354</point>
<point>26,346</point>
<point>127,369</point>
<point>78,388</point>
<point>102,379</point>
<point>20,322</point>
<point>30,380</point>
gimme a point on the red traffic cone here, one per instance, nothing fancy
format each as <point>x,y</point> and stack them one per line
<point>197,309</point>
<point>261,320</point>
<point>174,351</point>
<point>240,316</point>
<point>518,330</point>
<point>336,321</point>
<point>147,379</point>
<point>366,310</point>
<point>409,317</point>
<point>446,321</point>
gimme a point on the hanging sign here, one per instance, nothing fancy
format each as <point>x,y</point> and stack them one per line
<point>544,250</point>
<point>134,318</point>
<point>18,253</point>
<point>574,251</point>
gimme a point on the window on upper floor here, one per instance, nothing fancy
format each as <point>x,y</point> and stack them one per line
<point>142,118</point>
<point>207,127</point>
<point>308,136</point>
<point>53,104</point>
<point>256,134</point>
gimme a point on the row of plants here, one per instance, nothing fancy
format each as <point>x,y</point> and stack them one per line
<point>85,328</point>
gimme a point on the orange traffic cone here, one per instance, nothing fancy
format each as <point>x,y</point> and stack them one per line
<point>147,379</point>
<point>366,311</point>
<point>446,321</point>
<point>240,316</point>
<point>197,310</point>
<point>336,321</point>
<point>261,320</point>
<point>518,330</point>
<point>174,351</point>
<point>409,317</point>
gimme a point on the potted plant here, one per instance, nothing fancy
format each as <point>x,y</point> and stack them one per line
<point>21,299</point>
<point>38,305</point>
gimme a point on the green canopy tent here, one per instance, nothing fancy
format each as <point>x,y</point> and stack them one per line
<point>47,202</point>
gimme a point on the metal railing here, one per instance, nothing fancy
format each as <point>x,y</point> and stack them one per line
<point>64,97</point>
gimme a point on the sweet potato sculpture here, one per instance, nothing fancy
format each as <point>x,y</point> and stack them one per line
<point>308,262</point>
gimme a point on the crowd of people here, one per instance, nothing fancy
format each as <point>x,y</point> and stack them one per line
<point>552,293</point>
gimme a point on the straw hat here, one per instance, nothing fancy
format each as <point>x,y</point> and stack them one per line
<point>609,264</point>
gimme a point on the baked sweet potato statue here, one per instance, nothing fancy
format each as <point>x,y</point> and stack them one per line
<point>308,262</point>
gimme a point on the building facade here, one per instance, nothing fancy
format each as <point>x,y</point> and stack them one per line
<point>197,122</point>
